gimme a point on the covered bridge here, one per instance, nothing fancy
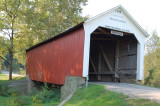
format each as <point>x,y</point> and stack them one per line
<point>106,47</point>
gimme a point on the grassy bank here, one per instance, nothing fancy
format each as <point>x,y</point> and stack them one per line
<point>97,95</point>
<point>46,96</point>
<point>4,78</point>
<point>94,95</point>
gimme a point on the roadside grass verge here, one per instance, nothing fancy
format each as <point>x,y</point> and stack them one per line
<point>97,95</point>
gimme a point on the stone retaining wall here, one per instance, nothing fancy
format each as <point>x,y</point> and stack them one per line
<point>72,83</point>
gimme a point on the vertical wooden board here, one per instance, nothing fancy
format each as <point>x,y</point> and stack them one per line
<point>106,59</point>
<point>107,78</point>
<point>94,53</point>
<point>128,54</point>
<point>117,56</point>
<point>92,77</point>
<point>92,64</point>
<point>99,62</point>
<point>132,47</point>
<point>128,47</point>
<point>108,49</point>
<point>54,60</point>
<point>128,62</point>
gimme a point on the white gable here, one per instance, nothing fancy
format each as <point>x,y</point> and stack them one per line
<point>118,19</point>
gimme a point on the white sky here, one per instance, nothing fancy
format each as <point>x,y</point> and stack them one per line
<point>145,12</point>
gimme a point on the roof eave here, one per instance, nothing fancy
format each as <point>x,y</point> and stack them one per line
<point>57,36</point>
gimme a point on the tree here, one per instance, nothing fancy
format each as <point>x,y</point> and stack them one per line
<point>9,13</point>
<point>43,19</point>
<point>28,22</point>
<point>50,17</point>
<point>3,50</point>
<point>152,60</point>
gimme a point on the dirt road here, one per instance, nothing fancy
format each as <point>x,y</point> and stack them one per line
<point>133,90</point>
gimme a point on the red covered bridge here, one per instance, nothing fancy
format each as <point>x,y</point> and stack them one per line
<point>105,47</point>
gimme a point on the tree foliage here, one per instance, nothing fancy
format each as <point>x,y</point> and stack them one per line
<point>9,15</point>
<point>43,19</point>
<point>152,61</point>
<point>28,22</point>
<point>3,50</point>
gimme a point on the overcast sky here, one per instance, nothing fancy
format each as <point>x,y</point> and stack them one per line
<point>145,12</point>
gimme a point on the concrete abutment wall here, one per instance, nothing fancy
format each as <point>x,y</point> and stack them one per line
<point>72,83</point>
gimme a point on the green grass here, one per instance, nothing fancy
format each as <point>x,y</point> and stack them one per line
<point>40,98</point>
<point>94,95</point>
<point>97,95</point>
<point>3,100</point>
<point>3,81</point>
<point>4,78</point>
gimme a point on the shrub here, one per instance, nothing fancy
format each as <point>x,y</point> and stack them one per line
<point>150,76</point>
<point>4,89</point>
<point>36,97</point>
<point>34,91</point>
<point>47,95</point>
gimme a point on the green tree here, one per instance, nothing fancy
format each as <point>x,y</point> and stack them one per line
<point>152,61</point>
<point>46,18</point>
<point>9,13</point>
<point>28,22</point>
<point>43,19</point>
<point>3,50</point>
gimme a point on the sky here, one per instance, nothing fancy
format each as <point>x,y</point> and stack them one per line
<point>145,12</point>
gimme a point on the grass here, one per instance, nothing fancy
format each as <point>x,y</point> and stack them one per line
<point>96,95</point>
<point>3,81</point>
<point>4,78</point>
<point>44,97</point>
<point>3,100</point>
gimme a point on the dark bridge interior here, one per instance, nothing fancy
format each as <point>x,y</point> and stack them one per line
<point>113,56</point>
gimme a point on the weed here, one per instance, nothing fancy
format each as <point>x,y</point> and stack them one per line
<point>4,89</point>
<point>150,76</point>
<point>34,91</point>
<point>47,95</point>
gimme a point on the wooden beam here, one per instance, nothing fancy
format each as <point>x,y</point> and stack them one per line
<point>128,55</point>
<point>97,33</point>
<point>100,39</point>
<point>129,69</point>
<point>117,56</point>
<point>117,60</point>
<point>99,62</point>
<point>106,59</point>
<point>92,64</point>
<point>102,72</point>
<point>103,31</point>
<point>99,66</point>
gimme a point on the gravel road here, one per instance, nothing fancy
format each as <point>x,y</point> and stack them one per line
<point>133,90</point>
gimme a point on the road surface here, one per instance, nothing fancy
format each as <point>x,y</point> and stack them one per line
<point>133,90</point>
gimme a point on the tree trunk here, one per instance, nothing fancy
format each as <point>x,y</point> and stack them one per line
<point>11,64</point>
<point>11,52</point>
